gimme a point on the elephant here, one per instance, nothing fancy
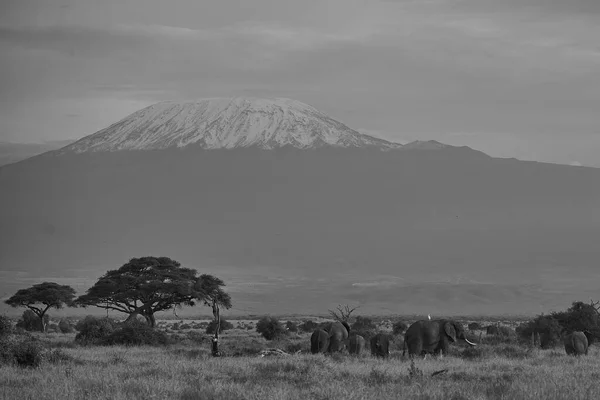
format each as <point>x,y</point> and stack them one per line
<point>338,336</point>
<point>319,341</point>
<point>380,345</point>
<point>425,337</point>
<point>576,343</point>
<point>356,344</point>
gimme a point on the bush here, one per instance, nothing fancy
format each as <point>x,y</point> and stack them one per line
<point>364,327</point>
<point>65,326</point>
<point>580,317</point>
<point>24,352</point>
<point>308,326</point>
<point>6,326</point>
<point>30,322</point>
<point>196,337</point>
<point>135,333</point>
<point>270,328</point>
<point>399,328</point>
<point>225,325</point>
<point>492,330</point>
<point>93,330</point>
<point>291,327</point>
<point>475,326</point>
<point>548,328</point>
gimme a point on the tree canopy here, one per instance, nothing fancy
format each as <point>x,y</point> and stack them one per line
<point>147,285</point>
<point>41,297</point>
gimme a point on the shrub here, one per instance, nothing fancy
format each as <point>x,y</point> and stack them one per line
<point>52,328</point>
<point>399,328</point>
<point>6,326</point>
<point>65,326</point>
<point>270,328</point>
<point>548,328</point>
<point>135,333</point>
<point>56,356</point>
<point>475,326</point>
<point>24,352</point>
<point>291,327</point>
<point>225,325</point>
<point>93,330</point>
<point>364,327</point>
<point>580,317</point>
<point>195,337</point>
<point>492,330</point>
<point>30,322</point>
<point>308,326</point>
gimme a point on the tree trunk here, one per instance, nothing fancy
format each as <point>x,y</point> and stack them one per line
<point>42,323</point>
<point>132,316</point>
<point>215,339</point>
<point>150,320</point>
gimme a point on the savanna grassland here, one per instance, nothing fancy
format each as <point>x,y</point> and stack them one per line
<point>186,370</point>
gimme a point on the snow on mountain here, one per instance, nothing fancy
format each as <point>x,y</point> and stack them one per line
<point>226,123</point>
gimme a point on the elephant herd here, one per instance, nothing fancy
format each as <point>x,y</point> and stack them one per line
<point>421,338</point>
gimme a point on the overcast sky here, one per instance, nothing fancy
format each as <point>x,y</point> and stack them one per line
<point>513,78</point>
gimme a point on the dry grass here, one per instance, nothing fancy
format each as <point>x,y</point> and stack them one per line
<point>186,371</point>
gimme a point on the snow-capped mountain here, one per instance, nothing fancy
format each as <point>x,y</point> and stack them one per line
<point>226,123</point>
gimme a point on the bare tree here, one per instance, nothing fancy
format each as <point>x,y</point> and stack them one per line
<point>342,314</point>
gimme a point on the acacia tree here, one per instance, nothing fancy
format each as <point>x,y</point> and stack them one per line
<point>146,285</point>
<point>41,297</point>
<point>214,296</point>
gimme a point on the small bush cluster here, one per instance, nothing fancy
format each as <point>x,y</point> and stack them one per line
<point>291,327</point>
<point>224,325</point>
<point>64,326</point>
<point>6,326</point>
<point>475,326</point>
<point>364,327</point>
<point>308,326</point>
<point>135,333</point>
<point>30,322</point>
<point>24,351</point>
<point>106,332</point>
<point>270,328</point>
<point>94,330</point>
<point>546,326</point>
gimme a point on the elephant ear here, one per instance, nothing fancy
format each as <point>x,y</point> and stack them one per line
<point>450,331</point>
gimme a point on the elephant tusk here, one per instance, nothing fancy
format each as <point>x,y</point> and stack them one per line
<point>471,343</point>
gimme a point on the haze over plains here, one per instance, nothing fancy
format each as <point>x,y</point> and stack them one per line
<point>516,78</point>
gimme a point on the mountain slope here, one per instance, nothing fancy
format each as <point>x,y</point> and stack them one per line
<point>14,152</point>
<point>400,231</point>
<point>420,228</point>
<point>225,123</point>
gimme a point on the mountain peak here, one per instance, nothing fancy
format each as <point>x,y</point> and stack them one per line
<point>425,145</point>
<point>228,123</point>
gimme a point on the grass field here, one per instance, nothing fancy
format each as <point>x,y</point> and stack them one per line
<point>187,371</point>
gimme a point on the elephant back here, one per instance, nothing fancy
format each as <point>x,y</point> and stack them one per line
<point>576,343</point>
<point>319,341</point>
<point>356,344</point>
